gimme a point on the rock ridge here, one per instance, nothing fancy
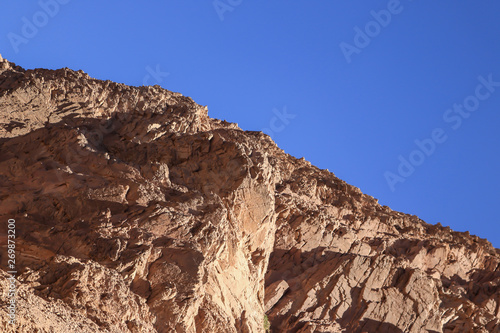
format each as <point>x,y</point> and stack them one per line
<point>137,212</point>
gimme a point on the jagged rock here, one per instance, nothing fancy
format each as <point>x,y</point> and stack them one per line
<point>274,292</point>
<point>136,212</point>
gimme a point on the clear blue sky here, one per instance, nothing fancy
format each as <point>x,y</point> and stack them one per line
<point>359,99</point>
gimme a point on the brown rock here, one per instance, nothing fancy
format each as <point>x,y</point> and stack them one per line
<point>136,212</point>
<point>274,292</point>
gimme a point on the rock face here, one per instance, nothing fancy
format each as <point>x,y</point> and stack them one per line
<point>136,212</point>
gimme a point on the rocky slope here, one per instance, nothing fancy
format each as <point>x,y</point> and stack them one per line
<point>136,212</point>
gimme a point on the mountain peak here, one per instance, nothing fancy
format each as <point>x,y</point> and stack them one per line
<point>135,211</point>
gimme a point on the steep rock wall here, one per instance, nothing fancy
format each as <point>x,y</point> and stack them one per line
<point>136,212</point>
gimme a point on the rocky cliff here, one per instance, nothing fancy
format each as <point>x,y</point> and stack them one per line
<point>136,212</point>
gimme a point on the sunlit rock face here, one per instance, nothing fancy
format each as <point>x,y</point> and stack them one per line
<point>137,212</point>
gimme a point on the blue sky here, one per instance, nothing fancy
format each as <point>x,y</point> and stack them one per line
<point>349,85</point>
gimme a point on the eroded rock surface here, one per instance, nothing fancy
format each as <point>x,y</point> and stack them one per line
<point>136,212</point>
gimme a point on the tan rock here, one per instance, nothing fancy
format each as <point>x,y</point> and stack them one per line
<point>136,212</point>
<point>274,292</point>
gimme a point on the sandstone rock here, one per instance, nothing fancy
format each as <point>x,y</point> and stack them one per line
<point>136,212</point>
<point>274,292</point>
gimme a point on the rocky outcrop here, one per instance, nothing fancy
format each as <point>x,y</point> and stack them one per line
<point>352,264</point>
<point>136,212</point>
